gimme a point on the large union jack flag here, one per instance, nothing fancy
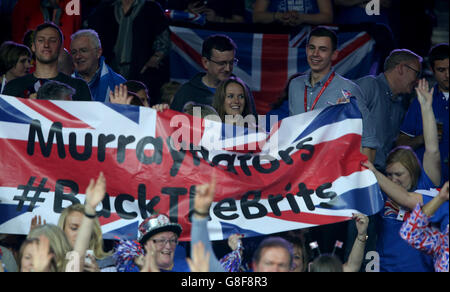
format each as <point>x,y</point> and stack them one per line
<point>305,172</point>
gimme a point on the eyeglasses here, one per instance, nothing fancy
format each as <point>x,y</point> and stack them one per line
<point>163,242</point>
<point>417,72</point>
<point>224,63</point>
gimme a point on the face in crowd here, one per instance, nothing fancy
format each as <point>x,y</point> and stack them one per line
<point>273,259</point>
<point>441,73</point>
<point>85,55</point>
<point>72,226</point>
<point>398,174</point>
<point>47,45</point>
<point>165,244</point>
<point>21,68</point>
<point>410,72</point>
<point>220,65</point>
<point>320,54</point>
<point>234,102</point>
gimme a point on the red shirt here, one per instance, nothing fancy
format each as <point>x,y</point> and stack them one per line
<point>27,15</point>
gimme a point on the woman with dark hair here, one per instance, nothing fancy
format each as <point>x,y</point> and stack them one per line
<point>231,101</point>
<point>15,61</point>
<point>404,179</point>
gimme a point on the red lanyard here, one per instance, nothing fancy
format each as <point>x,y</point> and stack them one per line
<point>320,93</point>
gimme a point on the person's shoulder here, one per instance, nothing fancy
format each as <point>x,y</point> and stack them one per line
<point>366,79</point>
<point>16,86</point>
<point>69,80</point>
<point>152,5</point>
<point>300,79</point>
<point>22,80</point>
<point>347,83</point>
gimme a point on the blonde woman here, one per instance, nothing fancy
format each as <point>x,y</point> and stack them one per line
<point>58,245</point>
<point>70,222</point>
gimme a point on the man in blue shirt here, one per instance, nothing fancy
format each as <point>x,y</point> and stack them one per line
<point>411,131</point>
<point>322,86</point>
<point>89,64</point>
<point>384,98</point>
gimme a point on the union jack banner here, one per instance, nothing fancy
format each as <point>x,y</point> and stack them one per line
<point>266,61</point>
<point>306,172</point>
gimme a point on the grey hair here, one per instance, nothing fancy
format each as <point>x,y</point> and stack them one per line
<point>89,33</point>
<point>54,90</point>
<point>400,56</point>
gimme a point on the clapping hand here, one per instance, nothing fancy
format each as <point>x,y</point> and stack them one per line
<point>150,258</point>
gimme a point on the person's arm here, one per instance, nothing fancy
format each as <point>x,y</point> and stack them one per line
<point>150,264</point>
<point>161,47</point>
<point>204,196</point>
<point>95,193</point>
<point>324,16</point>
<point>418,232</point>
<point>356,256</point>
<point>349,3</point>
<point>431,207</point>
<point>200,259</point>
<point>369,152</point>
<point>397,193</point>
<point>120,95</point>
<point>212,16</point>
<point>41,254</point>
<point>413,142</point>
<point>432,155</point>
<point>232,261</point>
<point>261,15</point>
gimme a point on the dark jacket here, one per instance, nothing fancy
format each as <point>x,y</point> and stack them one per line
<point>193,90</point>
<point>148,24</point>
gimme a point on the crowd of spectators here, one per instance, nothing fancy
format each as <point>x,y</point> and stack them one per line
<point>118,51</point>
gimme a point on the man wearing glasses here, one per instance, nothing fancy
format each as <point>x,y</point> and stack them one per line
<point>385,97</point>
<point>411,131</point>
<point>218,60</point>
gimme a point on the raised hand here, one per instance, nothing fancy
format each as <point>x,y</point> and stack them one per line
<point>40,250</point>
<point>120,95</point>
<point>424,93</point>
<point>204,196</point>
<point>150,259</point>
<point>200,259</point>
<point>362,222</point>
<point>36,221</point>
<point>233,240</point>
<point>160,107</point>
<point>95,191</point>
